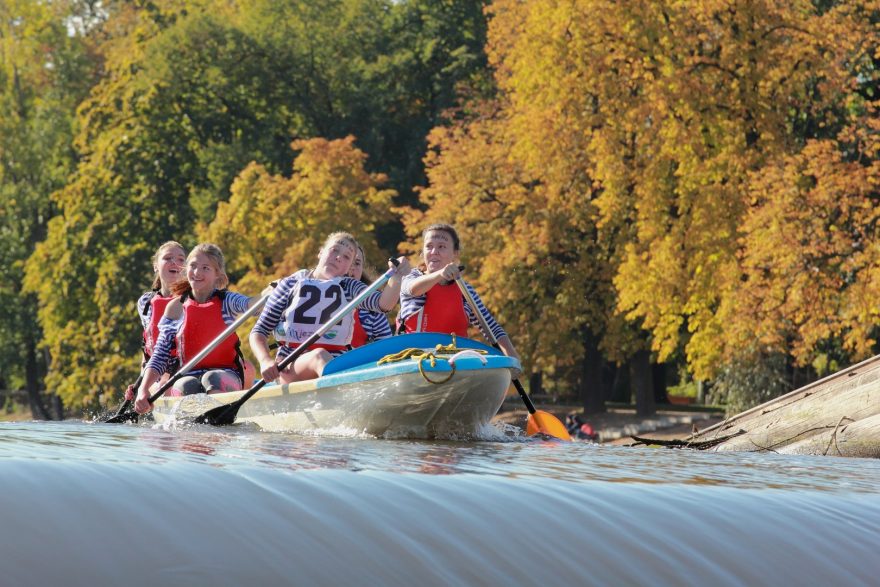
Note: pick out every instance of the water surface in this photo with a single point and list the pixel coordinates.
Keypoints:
(99, 504)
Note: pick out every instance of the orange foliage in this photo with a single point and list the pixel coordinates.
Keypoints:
(651, 159)
(272, 225)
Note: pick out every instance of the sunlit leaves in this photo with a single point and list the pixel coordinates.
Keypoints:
(273, 225)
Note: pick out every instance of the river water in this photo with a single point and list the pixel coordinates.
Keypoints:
(102, 504)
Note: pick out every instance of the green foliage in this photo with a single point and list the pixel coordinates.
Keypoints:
(44, 72)
(272, 225)
(750, 379)
(190, 94)
(696, 178)
(684, 389)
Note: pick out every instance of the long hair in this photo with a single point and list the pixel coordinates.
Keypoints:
(368, 272)
(213, 253)
(157, 281)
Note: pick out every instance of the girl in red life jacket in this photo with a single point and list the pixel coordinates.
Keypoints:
(202, 310)
(368, 326)
(168, 264)
(430, 300)
(306, 300)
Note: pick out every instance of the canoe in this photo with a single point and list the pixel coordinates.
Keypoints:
(421, 385)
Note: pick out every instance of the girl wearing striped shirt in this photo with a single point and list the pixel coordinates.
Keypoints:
(306, 300)
(168, 262)
(430, 301)
(201, 310)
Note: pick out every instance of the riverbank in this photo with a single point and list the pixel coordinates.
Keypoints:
(618, 424)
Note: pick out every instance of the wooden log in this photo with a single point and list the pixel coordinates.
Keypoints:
(849, 396)
(848, 439)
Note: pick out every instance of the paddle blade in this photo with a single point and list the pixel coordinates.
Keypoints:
(220, 416)
(542, 422)
(121, 417)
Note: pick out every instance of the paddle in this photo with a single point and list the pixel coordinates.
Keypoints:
(119, 418)
(225, 414)
(538, 420)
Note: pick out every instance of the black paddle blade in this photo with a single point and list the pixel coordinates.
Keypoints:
(219, 416)
(122, 416)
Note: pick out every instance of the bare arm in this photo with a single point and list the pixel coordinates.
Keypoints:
(260, 348)
(391, 293)
(420, 285)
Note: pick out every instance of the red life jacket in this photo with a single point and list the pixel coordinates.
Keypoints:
(157, 303)
(359, 336)
(443, 312)
(201, 325)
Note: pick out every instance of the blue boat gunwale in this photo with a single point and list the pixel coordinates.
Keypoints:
(373, 352)
(366, 373)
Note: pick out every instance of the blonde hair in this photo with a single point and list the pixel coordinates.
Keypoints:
(157, 281)
(340, 237)
(213, 253)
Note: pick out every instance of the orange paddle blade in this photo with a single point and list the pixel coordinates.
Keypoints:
(546, 423)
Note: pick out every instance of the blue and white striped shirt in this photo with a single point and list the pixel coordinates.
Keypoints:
(410, 304)
(234, 304)
(375, 324)
(142, 302)
(282, 297)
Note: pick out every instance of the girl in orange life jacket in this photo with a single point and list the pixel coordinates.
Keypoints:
(430, 301)
(168, 264)
(306, 300)
(368, 326)
(202, 310)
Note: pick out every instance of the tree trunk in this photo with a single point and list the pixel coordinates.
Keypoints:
(592, 388)
(536, 383)
(642, 386)
(32, 382)
(658, 374)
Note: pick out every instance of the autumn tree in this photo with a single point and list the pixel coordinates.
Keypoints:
(44, 72)
(648, 126)
(173, 112)
(514, 176)
(191, 93)
(274, 225)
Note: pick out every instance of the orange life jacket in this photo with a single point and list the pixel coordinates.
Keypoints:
(201, 325)
(157, 304)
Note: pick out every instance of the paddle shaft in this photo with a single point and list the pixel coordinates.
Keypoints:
(211, 346)
(226, 414)
(491, 336)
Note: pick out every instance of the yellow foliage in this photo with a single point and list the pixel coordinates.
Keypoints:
(636, 159)
(272, 225)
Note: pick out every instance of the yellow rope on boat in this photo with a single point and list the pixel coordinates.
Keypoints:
(432, 356)
(433, 362)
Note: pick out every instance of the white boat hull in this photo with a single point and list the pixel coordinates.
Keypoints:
(402, 399)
